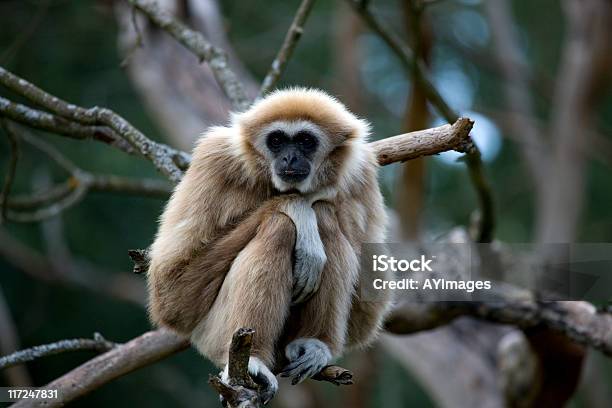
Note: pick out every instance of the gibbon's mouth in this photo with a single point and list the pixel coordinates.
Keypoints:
(293, 176)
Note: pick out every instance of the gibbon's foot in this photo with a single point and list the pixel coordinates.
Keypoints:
(307, 357)
(261, 375)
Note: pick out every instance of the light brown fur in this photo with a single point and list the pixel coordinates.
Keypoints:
(222, 258)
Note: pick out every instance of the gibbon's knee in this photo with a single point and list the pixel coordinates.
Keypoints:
(256, 293)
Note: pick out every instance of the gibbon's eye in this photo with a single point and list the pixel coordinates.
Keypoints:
(306, 140)
(276, 140)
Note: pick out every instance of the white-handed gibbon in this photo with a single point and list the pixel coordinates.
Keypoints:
(265, 231)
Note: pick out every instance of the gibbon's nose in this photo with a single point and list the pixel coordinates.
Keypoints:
(290, 160)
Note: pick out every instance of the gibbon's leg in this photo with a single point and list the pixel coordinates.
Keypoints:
(322, 320)
(366, 318)
(256, 293)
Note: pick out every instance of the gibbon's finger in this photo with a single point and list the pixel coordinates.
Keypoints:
(313, 358)
(306, 369)
(304, 349)
(294, 367)
(305, 373)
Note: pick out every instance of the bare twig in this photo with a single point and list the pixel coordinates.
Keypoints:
(416, 65)
(167, 160)
(74, 196)
(195, 42)
(284, 54)
(241, 390)
(12, 169)
(62, 196)
(335, 375)
(140, 259)
(98, 343)
(56, 124)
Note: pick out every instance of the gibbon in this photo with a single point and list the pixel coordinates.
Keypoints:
(265, 231)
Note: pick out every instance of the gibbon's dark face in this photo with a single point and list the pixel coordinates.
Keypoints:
(292, 154)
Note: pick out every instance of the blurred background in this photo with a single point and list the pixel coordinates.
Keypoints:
(533, 75)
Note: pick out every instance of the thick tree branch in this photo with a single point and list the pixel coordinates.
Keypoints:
(98, 343)
(423, 142)
(284, 54)
(123, 359)
(195, 42)
(137, 353)
(577, 320)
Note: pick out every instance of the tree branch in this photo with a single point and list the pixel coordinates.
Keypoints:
(423, 142)
(284, 54)
(51, 123)
(98, 343)
(167, 160)
(58, 198)
(577, 320)
(139, 352)
(122, 359)
(195, 42)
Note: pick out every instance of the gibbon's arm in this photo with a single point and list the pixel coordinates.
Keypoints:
(182, 300)
(362, 216)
